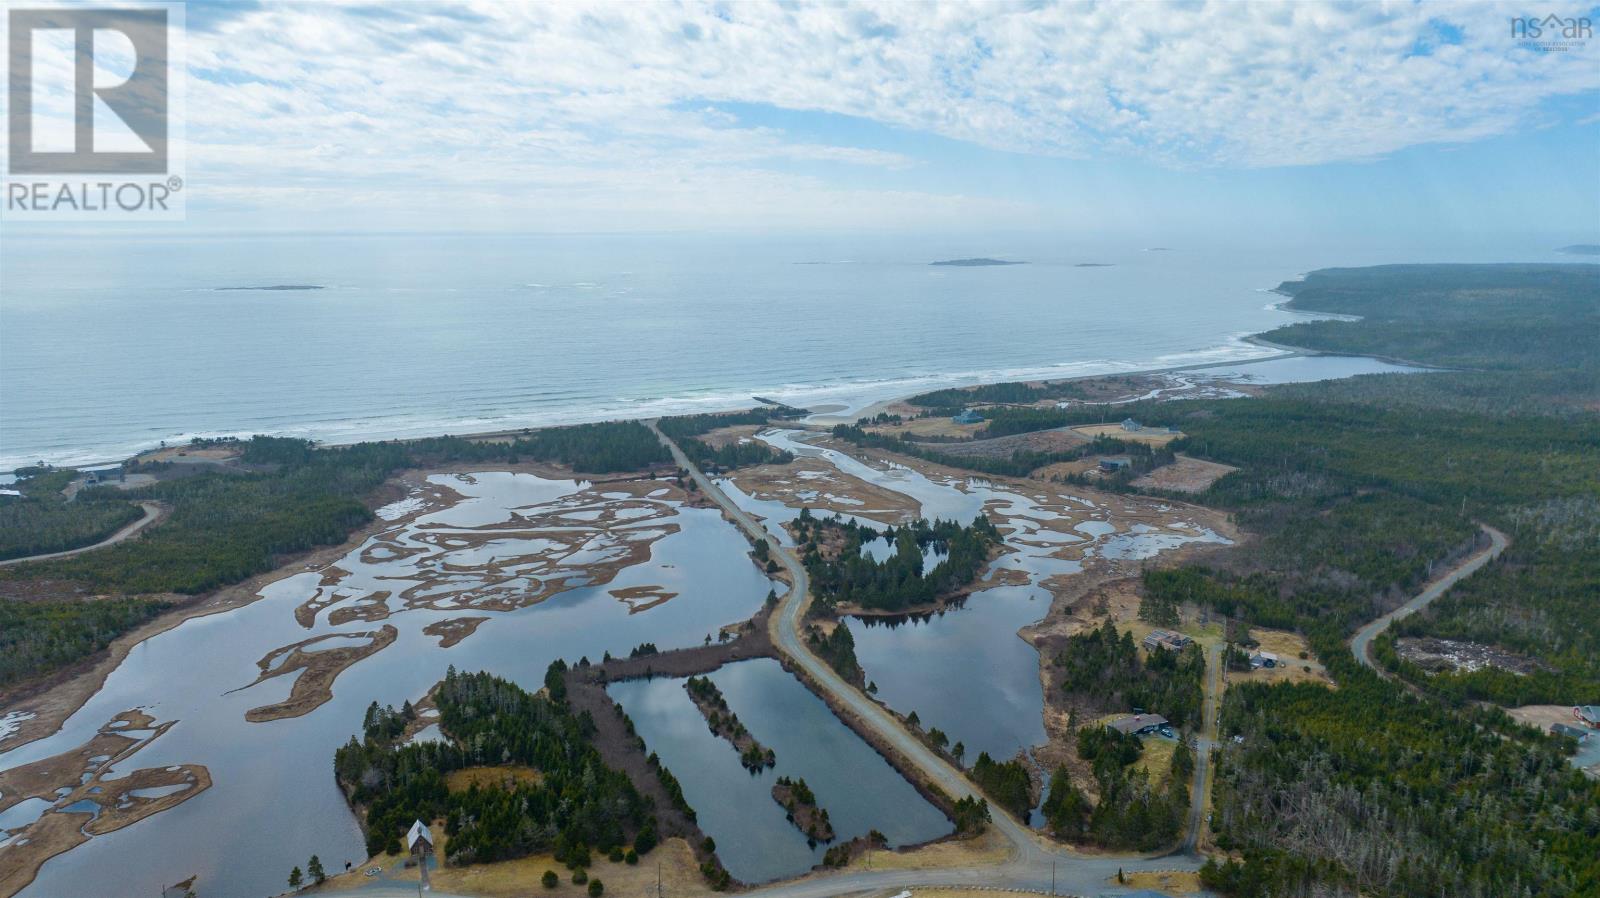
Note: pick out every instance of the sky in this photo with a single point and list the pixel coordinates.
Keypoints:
(1318, 120)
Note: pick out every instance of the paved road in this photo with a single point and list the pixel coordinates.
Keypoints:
(152, 511)
(1361, 645)
(1032, 862)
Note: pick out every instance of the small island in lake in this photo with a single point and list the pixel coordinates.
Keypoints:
(723, 722)
(975, 263)
(798, 799)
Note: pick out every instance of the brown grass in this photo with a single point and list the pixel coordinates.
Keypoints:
(1115, 431)
(483, 777)
(680, 875)
(937, 426)
(727, 436)
(1292, 669)
(1543, 716)
(1174, 883)
(980, 851)
(1186, 475)
(314, 686)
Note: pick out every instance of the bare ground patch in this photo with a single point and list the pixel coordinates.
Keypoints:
(84, 775)
(1055, 440)
(319, 669)
(1440, 655)
(1184, 475)
(454, 629)
(1150, 437)
(825, 489)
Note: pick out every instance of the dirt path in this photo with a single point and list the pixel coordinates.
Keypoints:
(153, 512)
(1361, 644)
(1204, 741)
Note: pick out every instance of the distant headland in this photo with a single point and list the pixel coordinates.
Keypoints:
(1581, 249)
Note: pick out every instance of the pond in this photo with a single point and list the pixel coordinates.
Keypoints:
(274, 802)
(1305, 368)
(966, 670)
(755, 840)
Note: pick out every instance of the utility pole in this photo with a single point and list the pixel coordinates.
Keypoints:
(1052, 878)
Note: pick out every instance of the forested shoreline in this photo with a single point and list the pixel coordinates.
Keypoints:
(685, 430)
(576, 803)
(285, 497)
(842, 573)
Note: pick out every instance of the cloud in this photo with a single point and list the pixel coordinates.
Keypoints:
(609, 104)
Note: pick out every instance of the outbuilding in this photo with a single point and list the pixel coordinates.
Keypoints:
(968, 416)
(1264, 659)
(1562, 729)
(1166, 639)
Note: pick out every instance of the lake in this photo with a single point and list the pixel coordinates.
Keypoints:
(755, 840)
(274, 802)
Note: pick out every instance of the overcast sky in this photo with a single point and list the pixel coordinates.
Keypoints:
(1236, 118)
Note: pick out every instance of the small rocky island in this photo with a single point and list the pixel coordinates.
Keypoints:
(801, 803)
(975, 263)
(724, 723)
(276, 287)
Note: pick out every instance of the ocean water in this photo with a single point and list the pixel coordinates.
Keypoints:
(112, 345)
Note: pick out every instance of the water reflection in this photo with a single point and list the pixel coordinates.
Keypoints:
(274, 801)
(756, 842)
(966, 670)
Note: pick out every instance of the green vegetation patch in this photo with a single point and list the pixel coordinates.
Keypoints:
(845, 574)
(1474, 316)
(1103, 667)
(577, 802)
(43, 635)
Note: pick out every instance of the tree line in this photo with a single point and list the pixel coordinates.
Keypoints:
(1358, 489)
(576, 801)
(42, 520)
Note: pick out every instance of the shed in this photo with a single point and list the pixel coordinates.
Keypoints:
(1113, 465)
(1589, 714)
(1264, 659)
(968, 416)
